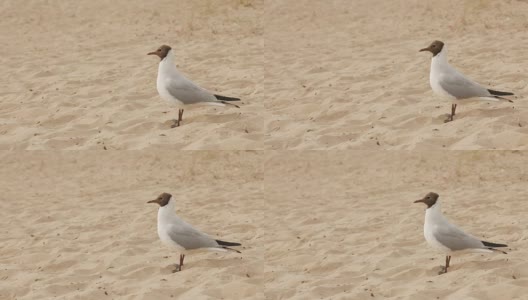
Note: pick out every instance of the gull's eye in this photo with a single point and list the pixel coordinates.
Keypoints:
(159, 50)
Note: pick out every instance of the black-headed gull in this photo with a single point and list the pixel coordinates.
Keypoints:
(447, 237)
(177, 233)
(447, 82)
(174, 87)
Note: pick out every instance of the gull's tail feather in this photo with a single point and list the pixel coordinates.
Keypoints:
(227, 248)
(497, 250)
(498, 94)
(224, 98)
(227, 103)
(216, 103)
(222, 103)
(501, 98)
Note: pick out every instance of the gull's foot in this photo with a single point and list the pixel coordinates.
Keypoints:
(449, 119)
(175, 124)
(177, 268)
(443, 270)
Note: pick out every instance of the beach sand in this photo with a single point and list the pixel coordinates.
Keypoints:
(77, 225)
(311, 74)
(345, 225)
(313, 225)
(77, 74)
(348, 74)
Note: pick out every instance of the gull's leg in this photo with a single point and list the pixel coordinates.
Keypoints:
(180, 119)
(179, 267)
(452, 116)
(444, 270)
(182, 256)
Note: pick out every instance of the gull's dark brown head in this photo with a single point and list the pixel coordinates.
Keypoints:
(429, 199)
(162, 199)
(434, 48)
(161, 52)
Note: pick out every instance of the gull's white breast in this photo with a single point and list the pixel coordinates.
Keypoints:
(439, 68)
(166, 72)
(432, 221)
(165, 220)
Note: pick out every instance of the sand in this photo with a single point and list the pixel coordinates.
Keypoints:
(312, 74)
(355, 79)
(82, 228)
(347, 227)
(77, 75)
(314, 225)
(341, 76)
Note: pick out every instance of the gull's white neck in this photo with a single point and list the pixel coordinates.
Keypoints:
(166, 212)
(434, 217)
(167, 65)
(169, 58)
(433, 211)
(440, 58)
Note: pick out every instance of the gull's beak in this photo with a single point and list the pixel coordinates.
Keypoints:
(418, 201)
(151, 53)
(153, 201)
(424, 49)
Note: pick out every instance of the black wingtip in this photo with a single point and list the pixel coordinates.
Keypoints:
(499, 93)
(224, 98)
(493, 245)
(224, 243)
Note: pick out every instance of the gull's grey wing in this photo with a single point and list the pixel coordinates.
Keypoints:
(461, 87)
(455, 239)
(187, 92)
(190, 238)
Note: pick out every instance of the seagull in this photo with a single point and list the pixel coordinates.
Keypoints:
(177, 89)
(447, 237)
(176, 233)
(449, 83)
